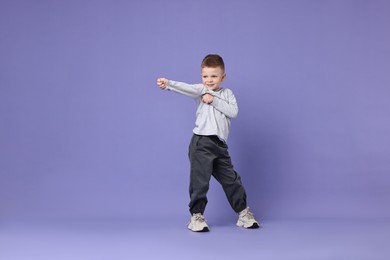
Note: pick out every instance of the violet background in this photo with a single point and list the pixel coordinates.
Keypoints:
(85, 132)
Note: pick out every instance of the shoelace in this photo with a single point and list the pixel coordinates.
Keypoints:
(199, 218)
(248, 214)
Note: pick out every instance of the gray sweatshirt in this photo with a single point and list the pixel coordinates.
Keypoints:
(214, 118)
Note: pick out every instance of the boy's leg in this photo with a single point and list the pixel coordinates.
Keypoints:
(201, 157)
(230, 180)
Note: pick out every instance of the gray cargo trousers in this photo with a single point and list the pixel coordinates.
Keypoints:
(209, 156)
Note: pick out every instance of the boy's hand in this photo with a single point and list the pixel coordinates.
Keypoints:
(207, 98)
(162, 83)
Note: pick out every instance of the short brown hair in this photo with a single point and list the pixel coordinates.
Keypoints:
(213, 61)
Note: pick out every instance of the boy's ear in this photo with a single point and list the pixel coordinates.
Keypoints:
(223, 76)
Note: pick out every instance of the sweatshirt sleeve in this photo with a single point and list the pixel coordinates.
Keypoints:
(190, 90)
(226, 105)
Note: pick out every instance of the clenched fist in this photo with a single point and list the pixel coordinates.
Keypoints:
(207, 98)
(162, 83)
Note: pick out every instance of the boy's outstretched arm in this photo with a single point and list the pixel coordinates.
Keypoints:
(193, 91)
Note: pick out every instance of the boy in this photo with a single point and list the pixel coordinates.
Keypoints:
(208, 151)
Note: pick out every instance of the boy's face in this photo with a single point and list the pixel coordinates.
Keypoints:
(212, 77)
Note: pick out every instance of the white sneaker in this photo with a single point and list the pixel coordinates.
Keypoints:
(198, 223)
(246, 219)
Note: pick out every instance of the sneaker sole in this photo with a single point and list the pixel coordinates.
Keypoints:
(205, 229)
(254, 226)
